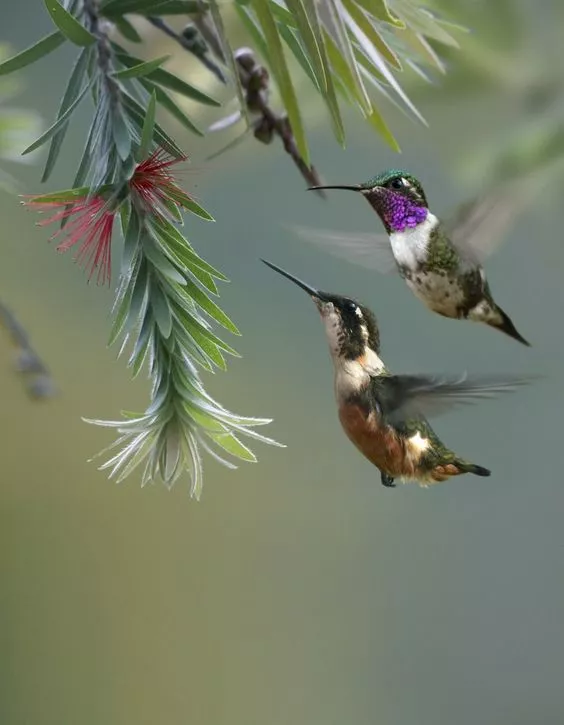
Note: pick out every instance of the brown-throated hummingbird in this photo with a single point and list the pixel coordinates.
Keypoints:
(441, 266)
(384, 415)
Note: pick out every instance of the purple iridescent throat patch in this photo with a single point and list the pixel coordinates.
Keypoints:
(397, 211)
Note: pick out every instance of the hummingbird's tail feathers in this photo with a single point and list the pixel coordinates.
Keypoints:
(473, 468)
(504, 324)
(456, 467)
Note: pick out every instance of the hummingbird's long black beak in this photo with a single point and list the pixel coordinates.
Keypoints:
(356, 187)
(310, 290)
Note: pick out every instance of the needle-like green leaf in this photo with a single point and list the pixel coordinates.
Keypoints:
(131, 241)
(127, 30)
(215, 312)
(305, 21)
(148, 128)
(420, 21)
(379, 9)
(87, 158)
(138, 304)
(342, 71)
(69, 26)
(250, 21)
(68, 195)
(168, 104)
(170, 236)
(142, 348)
(291, 38)
(229, 58)
(73, 88)
(183, 200)
(160, 307)
(121, 7)
(137, 113)
(284, 16)
(146, 335)
(369, 29)
(421, 45)
(52, 130)
(168, 80)
(376, 120)
(117, 8)
(230, 443)
(121, 133)
(331, 97)
(164, 266)
(206, 334)
(141, 69)
(35, 52)
(350, 75)
(122, 305)
(376, 59)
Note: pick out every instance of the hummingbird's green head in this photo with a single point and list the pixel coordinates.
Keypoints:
(397, 180)
(351, 328)
(396, 196)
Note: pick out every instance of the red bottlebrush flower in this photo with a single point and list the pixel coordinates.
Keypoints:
(155, 185)
(90, 224)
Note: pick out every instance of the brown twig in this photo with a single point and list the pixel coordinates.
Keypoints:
(254, 80)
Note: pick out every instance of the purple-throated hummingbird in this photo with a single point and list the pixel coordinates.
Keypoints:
(441, 266)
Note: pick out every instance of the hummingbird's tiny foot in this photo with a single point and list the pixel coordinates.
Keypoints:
(387, 481)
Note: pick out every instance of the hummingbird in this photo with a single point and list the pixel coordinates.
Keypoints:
(384, 415)
(441, 266)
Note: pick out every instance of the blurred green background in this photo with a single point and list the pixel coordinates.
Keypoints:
(298, 590)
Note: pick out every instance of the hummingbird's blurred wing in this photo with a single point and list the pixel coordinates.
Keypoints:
(371, 251)
(402, 397)
(480, 225)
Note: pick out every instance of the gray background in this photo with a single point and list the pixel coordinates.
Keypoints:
(299, 591)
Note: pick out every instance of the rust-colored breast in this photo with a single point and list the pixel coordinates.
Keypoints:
(376, 441)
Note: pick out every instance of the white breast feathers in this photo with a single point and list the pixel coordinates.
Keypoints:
(410, 246)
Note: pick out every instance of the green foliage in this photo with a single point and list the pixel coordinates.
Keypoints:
(142, 68)
(350, 44)
(344, 50)
(69, 26)
(32, 54)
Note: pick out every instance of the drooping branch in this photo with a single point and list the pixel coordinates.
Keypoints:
(255, 80)
(39, 382)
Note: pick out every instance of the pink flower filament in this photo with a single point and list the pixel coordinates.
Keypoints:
(91, 223)
(154, 182)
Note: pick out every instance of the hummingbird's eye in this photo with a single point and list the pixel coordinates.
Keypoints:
(351, 306)
(398, 183)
